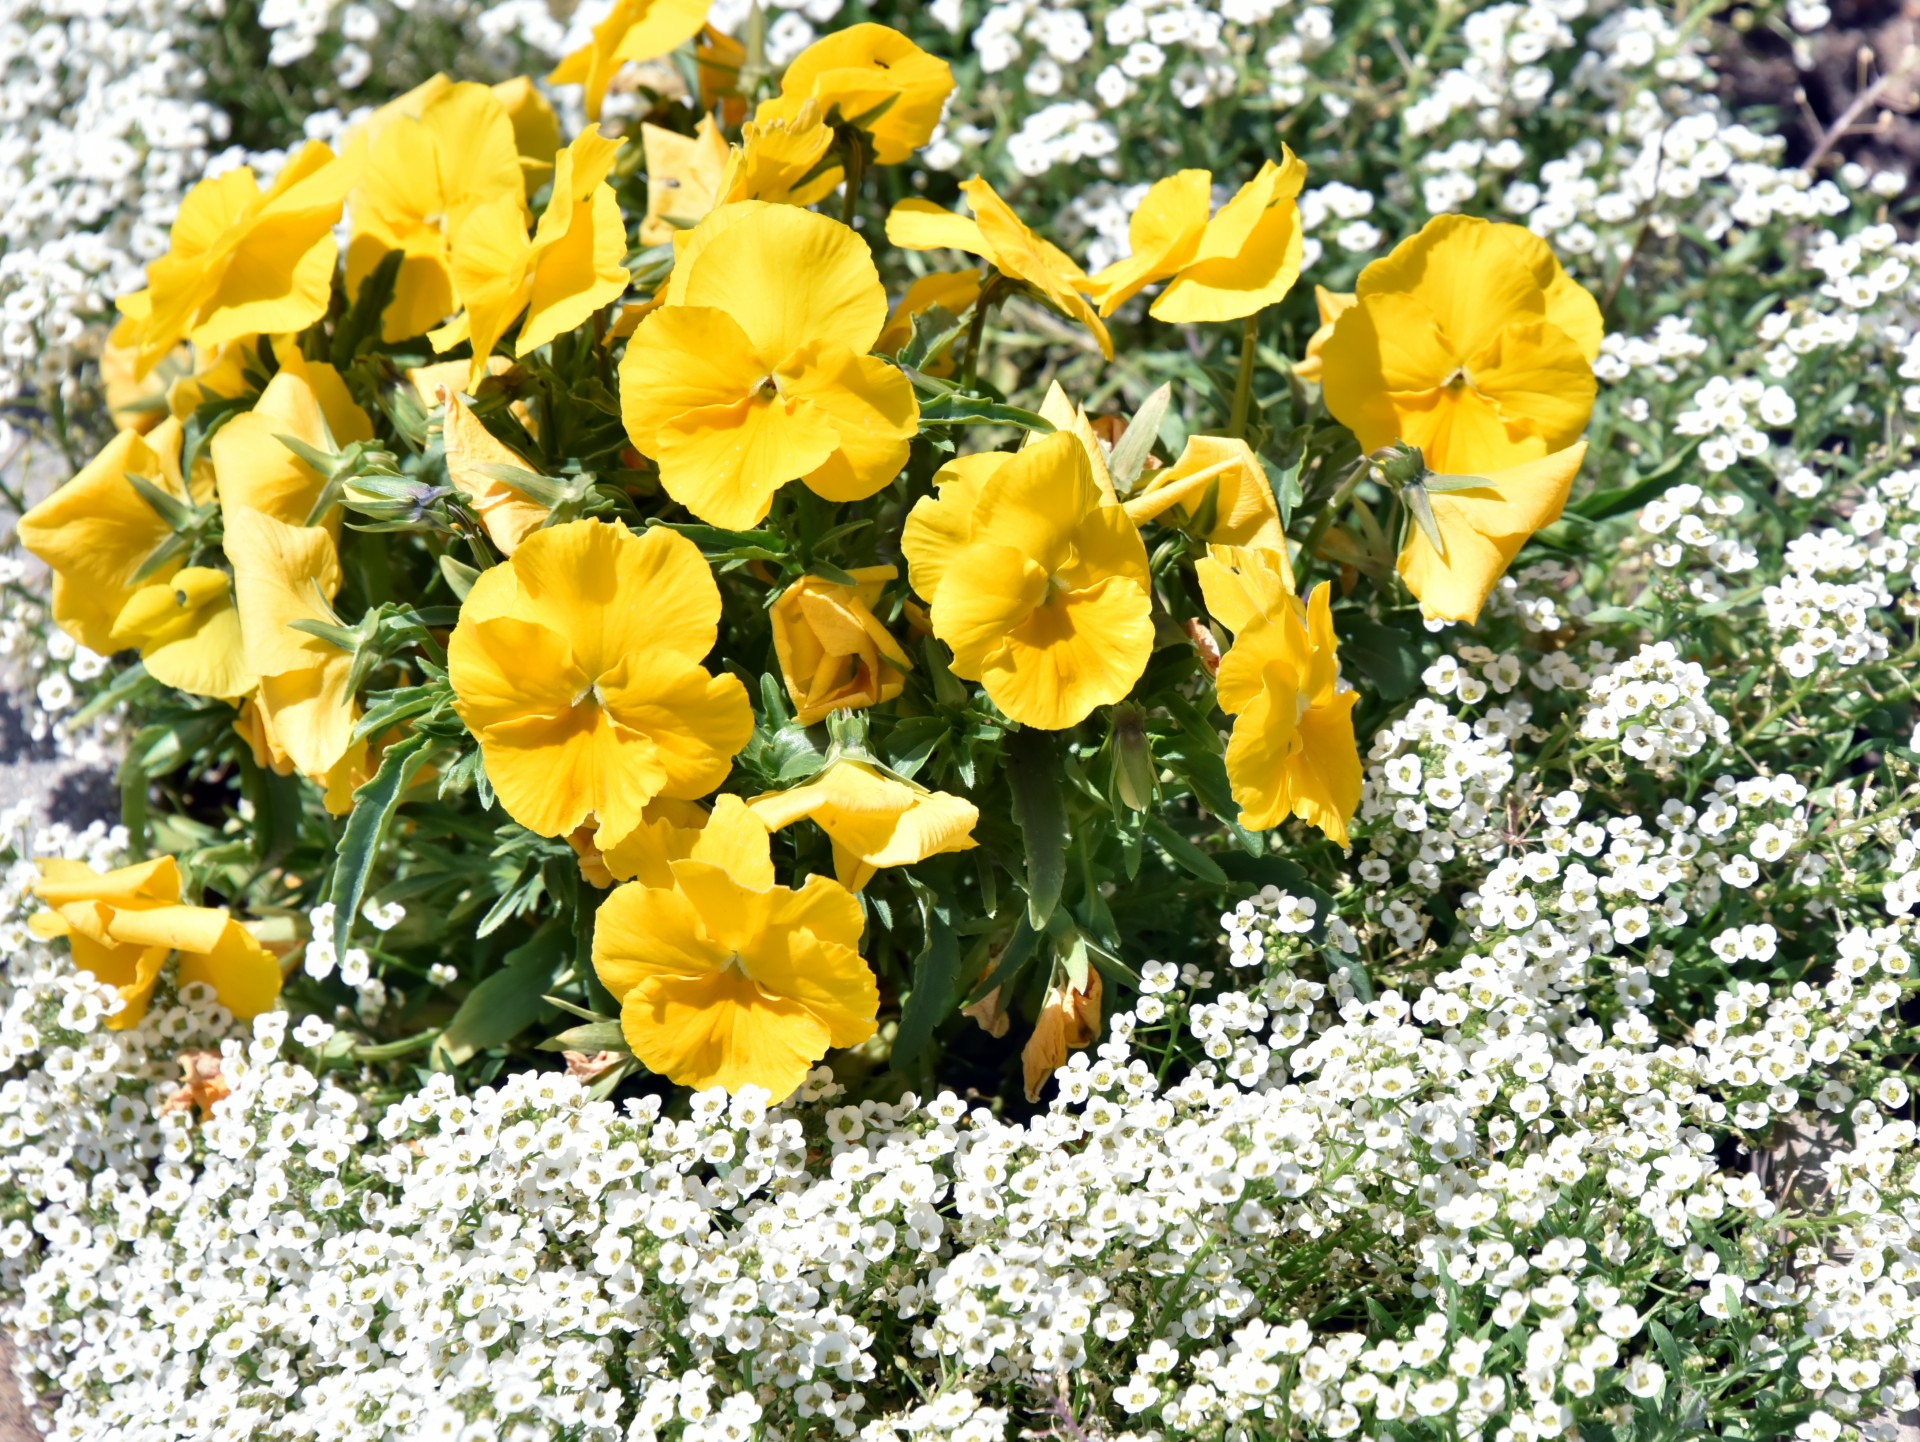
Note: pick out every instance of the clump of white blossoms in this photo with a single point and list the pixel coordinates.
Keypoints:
(1656, 705)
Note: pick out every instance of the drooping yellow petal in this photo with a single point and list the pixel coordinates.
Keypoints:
(917, 224)
(1332, 305)
(508, 515)
(952, 291)
(257, 472)
(536, 129)
(872, 78)
(1249, 256)
(1164, 231)
(634, 30)
(874, 820)
(1226, 468)
(684, 178)
(1240, 584)
(1021, 255)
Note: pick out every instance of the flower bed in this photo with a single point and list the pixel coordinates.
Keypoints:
(755, 805)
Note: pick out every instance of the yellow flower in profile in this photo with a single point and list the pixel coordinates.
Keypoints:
(1240, 584)
(1002, 239)
(684, 175)
(755, 372)
(536, 129)
(786, 159)
(573, 265)
(633, 30)
(576, 665)
(241, 261)
(422, 177)
(872, 79)
(1468, 341)
(507, 515)
(1482, 528)
(873, 819)
(255, 468)
(1332, 305)
(1240, 261)
(1292, 751)
(726, 979)
(834, 653)
(1227, 469)
(281, 574)
(97, 534)
(1036, 580)
(122, 925)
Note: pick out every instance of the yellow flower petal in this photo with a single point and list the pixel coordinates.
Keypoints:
(188, 633)
(509, 517)
(871, 407)
(1226, 467)
(634, 30)
(1249, 256)
(870, 77)
(256, 472)
(1241, 584)
(684, 178)
(1164, 232)
(834, 654)
(874, 820)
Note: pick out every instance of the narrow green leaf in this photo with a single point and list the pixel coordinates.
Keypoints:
(936, 977)
(1130, 454)
(509, 1001)
(958, 410)
(1184, 854)
(1033, 775)
(1618, 500)
(373, 806)
(594, 1036)
(1014, 956)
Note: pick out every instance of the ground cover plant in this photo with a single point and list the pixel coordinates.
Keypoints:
(1154, 720)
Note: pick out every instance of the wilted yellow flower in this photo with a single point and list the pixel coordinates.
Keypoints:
(834, 653)
(423, 176)
(952, 290)
(1468, 341)
(1002, 239)
(725, 979)
(873, 819)
(1069, 1020)
(1227, 469)
(281, 574)
(576, 665)
(241, 261)
(755, 372)
(1036, 580)
(872, 79)
(1243, 260)
(1482, 528)
(507, 515)
(256, 470)
(1292, 751)
(122, 925)
(571, 267)
(784, 159)
(633, 30)
(684, 174)
(97, 534)
(1332, 305)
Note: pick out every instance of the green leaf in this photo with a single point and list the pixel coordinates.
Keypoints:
(936, 976)
(908, 745)
(1389, 659)
(1618, 500)
(509, 1001)
(1616, 616)
(458, 575)
(1130, 453)
(1184, 854)
(178, 514)
(958, 410)
(934, 329)
(1033, 776)
(594, 1036)
(373, 806)
(1014, 956)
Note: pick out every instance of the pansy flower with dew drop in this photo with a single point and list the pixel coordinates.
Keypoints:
(576, 665)
(1292, 751)
(1224, 267)
(873, 819)
(123, 924)
(871, 79)
(725, 978)
(1036, 580)
(1003, 240)
(120, 573)
(834, 654)
(755, 372)
(242, 261)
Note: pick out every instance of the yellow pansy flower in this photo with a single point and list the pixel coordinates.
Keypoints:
(1036, 581)
(97, 534)
(633, 30)
(122, 925)
(1482, 528)
(1292, 751)
(241, 261)
(873, 819)
(1240, 584)
(507, 515)
(1468, 341)
(667, 832)
(1332, 304)
(257, 471)
(1002, 239)
(755, 372)
(783, 159)
(576, 665)
(834, 653)
(573, 265)
(1244, 509)
(684, 174)
(1240, 261)
(726, 979)
(281, 574)
(422, 177)
(871, 78)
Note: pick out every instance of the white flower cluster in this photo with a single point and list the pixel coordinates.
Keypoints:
(1832, 602)
(1655, 705)
(1684, 519)
(1550, 1174)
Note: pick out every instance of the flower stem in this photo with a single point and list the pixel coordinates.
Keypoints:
(1325, 519)
(1243, 383)
(856, 172)
(977, 329)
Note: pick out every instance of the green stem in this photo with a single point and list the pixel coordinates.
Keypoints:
(856, 171)
(977, 329)
(1243, 383)
(1325, 519)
